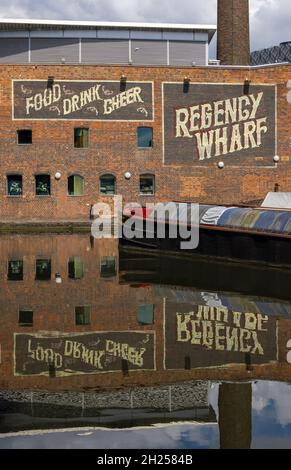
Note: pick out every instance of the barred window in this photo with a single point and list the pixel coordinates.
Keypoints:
(15, 270)
(42, 185)
(14, 185)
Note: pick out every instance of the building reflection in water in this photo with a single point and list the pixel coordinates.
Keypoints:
(91, 332)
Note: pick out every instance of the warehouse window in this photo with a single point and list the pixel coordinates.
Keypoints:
(43, 185)
(15, 270)
(43, 270)
(24, 137)
(75, 185)
(82, 315)
(108, 267)
(147, 185)
(81, 137)
(76, 268)
(144, 137)
(145, 315)
(14, 185)
(107, 185)
(25, 317)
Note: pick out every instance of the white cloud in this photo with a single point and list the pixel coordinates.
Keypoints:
(279, 393)
(264, 393)
(271, 22)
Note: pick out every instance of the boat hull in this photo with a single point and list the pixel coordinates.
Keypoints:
(222, 243)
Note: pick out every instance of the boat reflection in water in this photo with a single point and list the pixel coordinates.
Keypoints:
(99, 336)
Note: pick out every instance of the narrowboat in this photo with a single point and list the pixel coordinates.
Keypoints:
(245, 234)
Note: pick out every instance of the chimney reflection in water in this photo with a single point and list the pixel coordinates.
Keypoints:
(235, 415)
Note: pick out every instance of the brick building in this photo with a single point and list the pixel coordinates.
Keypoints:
(89, 110)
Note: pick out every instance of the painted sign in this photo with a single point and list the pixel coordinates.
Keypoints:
(88, 353)
(207, 122)
(205, 336)
(89, 100)
(284, 340)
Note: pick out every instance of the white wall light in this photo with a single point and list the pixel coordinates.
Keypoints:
(58, 278)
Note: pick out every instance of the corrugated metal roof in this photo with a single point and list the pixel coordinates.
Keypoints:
(9, 24)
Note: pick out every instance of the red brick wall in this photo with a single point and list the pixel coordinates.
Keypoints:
(113, 147)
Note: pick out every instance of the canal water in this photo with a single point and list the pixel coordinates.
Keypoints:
(105, 347)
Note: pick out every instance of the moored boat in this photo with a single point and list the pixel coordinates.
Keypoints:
(246, 234)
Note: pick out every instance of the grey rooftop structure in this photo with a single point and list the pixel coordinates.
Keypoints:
(272, 55)
(93, 42)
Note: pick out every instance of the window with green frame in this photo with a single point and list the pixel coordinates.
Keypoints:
(81, 137)
(75, 185)
(83, 315)
(108, 267)
(108, 185)
(76, 267)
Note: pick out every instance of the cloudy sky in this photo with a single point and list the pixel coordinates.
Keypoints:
(270, 19)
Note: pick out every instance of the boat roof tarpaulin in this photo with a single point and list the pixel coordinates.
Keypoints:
(278, 201)
(257, 220)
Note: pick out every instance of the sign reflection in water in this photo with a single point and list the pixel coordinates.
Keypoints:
(214, 336)
(89, 353)
(197, 316)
